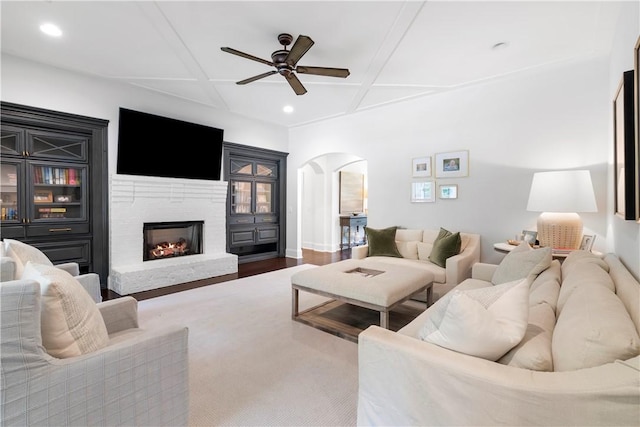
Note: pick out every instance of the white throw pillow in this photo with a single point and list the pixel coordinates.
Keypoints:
(71, 323)
(22, 253)
(485, 322)
(523, 261)
(424, 250)
(408, 250)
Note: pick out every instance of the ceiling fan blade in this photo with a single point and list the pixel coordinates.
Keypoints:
(246, 55)
(299, 48)
(295, 84)
(254, 78)
(322, 71)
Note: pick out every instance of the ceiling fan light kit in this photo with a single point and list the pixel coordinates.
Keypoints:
(285, 63)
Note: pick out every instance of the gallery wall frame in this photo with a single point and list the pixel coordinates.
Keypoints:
(422, 192)
(448, 191)
(636, 62)
(625, 163)
(421, 167)
(454, 164)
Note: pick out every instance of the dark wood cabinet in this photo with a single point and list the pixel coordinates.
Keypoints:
(53, 184)
(255, 201)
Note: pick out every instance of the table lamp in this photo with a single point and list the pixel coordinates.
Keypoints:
(560, 195)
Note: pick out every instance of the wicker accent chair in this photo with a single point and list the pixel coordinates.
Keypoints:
(140, 377)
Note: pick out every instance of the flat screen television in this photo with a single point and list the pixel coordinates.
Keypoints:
(159, 146)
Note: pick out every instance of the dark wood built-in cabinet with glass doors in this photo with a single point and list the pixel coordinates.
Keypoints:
(255, 202)
(53, 184)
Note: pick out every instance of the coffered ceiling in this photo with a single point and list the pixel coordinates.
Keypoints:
(395, 50)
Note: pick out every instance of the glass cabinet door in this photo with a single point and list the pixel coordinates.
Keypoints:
(267, 169)
(58, 192)
(241, 197)
(264, 197)
(9, 194)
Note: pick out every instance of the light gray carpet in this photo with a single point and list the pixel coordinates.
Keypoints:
(250, 364)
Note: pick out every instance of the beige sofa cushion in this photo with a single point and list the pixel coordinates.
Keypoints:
(523, 261)
(588, 273)
(578, 258)
(424, 250)
(408, 249)
(534, 351)
(22, 253)
(409, 235)
(485, 322)
(593, 329)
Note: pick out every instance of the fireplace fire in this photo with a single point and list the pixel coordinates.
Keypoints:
(172, 239)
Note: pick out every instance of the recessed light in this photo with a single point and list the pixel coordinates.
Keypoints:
(51, 29)
(287, 109)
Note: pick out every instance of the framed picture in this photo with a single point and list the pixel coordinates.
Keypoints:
(636, 61)
(452, 165)
(624, 149)
(421, 166)
(422, 192)
(587, 242)
(351, 193)
(448, 191)
(529, 236)
(42, 197)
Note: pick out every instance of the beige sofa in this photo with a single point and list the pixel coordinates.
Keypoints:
(577, 364)
(415, 246)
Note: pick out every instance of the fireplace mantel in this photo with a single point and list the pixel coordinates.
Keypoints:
(139, 199)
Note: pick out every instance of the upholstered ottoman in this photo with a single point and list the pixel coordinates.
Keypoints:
(373, 285)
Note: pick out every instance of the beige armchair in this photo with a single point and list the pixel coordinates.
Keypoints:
(140, 378)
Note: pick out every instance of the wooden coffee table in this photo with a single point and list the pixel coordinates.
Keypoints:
(373, 285)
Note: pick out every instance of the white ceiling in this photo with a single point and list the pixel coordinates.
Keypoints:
(395, 50)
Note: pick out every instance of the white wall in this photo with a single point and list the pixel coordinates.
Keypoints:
(320, 218)
(625, 234)
(552, 118)
(29, 83)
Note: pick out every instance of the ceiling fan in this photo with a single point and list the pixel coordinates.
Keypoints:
(286, 62)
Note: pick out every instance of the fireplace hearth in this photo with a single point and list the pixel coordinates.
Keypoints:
(171, 239)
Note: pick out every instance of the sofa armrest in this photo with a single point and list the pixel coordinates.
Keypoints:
(359, 252)
(146, 374)
(483, 271)
(7, 269)
(119, 314)
(70, 267)
(91, 282)
(406, 381)
(458, 267)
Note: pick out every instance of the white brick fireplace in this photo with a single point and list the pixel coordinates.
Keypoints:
(135, 200)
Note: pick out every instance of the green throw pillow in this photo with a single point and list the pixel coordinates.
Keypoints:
(382, 242)
(446, 245)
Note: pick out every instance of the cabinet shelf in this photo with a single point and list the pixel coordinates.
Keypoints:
(51, 163)
(255, 215)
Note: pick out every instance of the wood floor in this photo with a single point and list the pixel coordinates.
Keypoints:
(244, 270)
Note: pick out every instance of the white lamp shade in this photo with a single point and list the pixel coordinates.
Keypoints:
(562, 191)
(560, 195)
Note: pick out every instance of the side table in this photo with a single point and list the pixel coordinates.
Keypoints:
(347, 224)
(505, 248)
